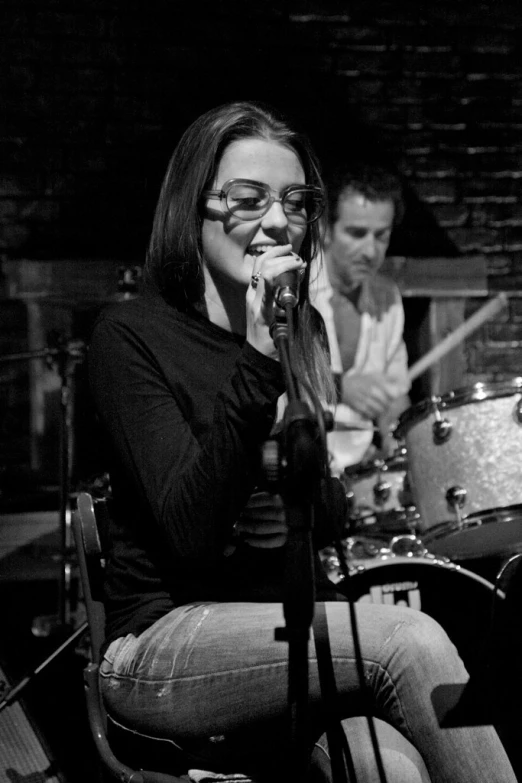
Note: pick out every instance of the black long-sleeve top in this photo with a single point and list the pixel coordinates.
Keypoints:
(186, 406)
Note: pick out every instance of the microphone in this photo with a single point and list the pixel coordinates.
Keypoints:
(287, 291)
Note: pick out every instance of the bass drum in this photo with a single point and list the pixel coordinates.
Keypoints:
(463, 602)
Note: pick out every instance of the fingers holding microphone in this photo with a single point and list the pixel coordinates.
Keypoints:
(262, 523)
(277, 273)
(277, 267)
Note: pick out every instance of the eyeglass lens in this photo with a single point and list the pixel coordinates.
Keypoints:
(248, 202)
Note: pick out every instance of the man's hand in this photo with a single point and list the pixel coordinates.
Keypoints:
(262, 523)
(370, 394)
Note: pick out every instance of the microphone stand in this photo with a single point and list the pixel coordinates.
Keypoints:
(67, 354)
(13, 694)
(299, 490)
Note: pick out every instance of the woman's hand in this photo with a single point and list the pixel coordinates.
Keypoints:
(260, 295)
(262, 523)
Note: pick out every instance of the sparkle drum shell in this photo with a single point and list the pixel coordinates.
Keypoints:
(380, 500)
(377, 485)
(465, 455)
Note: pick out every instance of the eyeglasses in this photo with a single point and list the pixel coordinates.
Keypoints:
(247, 199)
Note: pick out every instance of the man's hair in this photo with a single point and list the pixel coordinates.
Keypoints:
(373, 181)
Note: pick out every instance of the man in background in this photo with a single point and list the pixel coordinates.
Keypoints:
(363, 313)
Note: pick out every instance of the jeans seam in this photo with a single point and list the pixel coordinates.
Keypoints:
(192, 677)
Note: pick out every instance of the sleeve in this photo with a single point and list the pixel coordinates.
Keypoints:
(397, 357)
(193, 488)
(320, 296)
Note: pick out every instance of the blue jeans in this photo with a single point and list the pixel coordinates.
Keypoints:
(211, 677)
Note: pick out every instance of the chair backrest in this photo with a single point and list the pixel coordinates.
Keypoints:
(90, 522)
(90, 529)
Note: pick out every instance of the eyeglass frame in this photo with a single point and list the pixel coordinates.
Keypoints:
(223, 193)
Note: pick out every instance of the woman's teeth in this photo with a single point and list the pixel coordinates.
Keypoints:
(259, 249)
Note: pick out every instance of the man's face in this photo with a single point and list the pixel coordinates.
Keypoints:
(358, 240)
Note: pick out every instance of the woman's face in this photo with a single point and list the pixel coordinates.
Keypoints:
(231, 245)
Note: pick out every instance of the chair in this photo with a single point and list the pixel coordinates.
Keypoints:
(113, 742)
(90, 523)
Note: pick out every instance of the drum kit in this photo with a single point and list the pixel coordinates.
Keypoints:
(425, 525)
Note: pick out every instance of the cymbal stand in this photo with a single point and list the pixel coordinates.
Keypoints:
(71, 353)
(9, 696)
(67, 355)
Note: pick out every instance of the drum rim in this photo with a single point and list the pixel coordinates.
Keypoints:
(475, 519)
(446, 530)
(476, 392)
(393, 464)
(506, 513)
(433, 561)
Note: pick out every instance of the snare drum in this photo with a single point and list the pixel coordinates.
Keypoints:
(464, 451)
(461, 601)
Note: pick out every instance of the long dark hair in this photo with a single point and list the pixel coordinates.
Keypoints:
(174, 264)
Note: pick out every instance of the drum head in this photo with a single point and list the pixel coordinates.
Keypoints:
(461, 601)
(492, 533)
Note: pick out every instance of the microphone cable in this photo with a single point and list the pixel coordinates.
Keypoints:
(356, 638)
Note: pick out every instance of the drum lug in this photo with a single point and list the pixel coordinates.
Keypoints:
(456, 497)
(518, 411)
(350, 503)
(412, 518)
(441, 430)
(401, 452)
(382, 492)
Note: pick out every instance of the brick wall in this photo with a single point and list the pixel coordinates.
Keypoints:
(96, 93)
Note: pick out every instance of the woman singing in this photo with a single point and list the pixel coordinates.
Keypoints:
(188, 384)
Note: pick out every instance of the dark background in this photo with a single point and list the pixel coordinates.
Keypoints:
(97, 93)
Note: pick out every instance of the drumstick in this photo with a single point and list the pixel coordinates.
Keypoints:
(459, 334)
